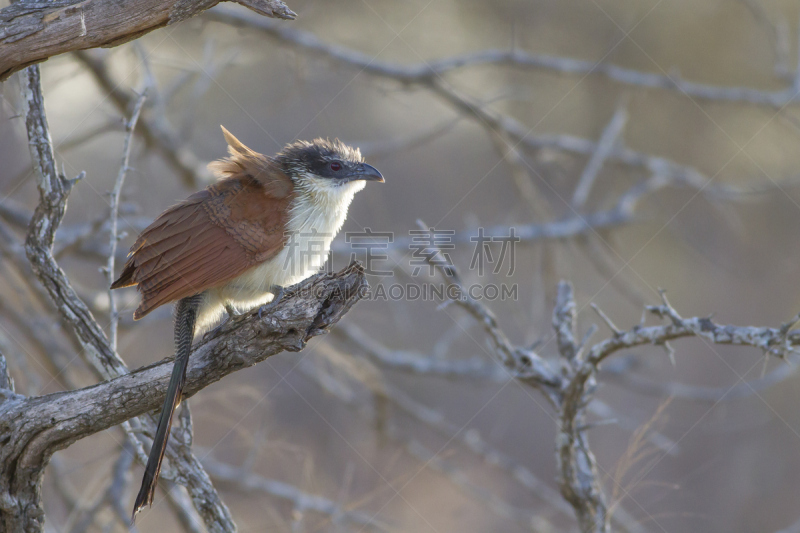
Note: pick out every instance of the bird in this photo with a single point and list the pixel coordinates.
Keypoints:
(266, 223)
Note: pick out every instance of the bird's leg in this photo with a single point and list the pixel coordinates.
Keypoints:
(185, 317)
(277, 293)
(232, 314)
(231, 311)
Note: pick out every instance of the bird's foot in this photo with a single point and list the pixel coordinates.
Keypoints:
(277, 294)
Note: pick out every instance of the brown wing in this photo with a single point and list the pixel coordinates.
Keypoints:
(208, 239)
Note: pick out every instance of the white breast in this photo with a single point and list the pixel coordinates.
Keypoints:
(316, 216)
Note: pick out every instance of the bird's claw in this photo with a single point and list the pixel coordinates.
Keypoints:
(277, 294)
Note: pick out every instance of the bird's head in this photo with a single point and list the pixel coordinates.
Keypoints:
(326, 166)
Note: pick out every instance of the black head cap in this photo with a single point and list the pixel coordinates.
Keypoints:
(326, 159)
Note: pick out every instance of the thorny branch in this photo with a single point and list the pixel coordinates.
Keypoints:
(572, 391)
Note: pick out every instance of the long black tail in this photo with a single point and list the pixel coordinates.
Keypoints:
(185, 316)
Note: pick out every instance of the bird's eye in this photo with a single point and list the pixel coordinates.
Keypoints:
(336, 166)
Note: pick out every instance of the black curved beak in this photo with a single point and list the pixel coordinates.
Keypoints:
(367, 173)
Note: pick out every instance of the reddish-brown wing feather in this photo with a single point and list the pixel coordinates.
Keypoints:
(208, 239)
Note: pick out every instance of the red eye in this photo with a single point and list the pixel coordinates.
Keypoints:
(336, 166)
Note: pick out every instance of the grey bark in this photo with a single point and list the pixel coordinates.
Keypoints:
(32, 31)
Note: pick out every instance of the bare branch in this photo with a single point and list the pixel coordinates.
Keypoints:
(609, 136)
(114, 216)
(564, 322)
(302, 501)
(770, 340)
(32, 31)
(527, 363)
(181, 504)
(579, 477)
(430, 75)
(425, 72)
(407, 361)
(53, 192)
(6, 383)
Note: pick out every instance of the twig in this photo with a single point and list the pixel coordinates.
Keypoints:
(614, 329)
(778, 33)
(302, 501)
(579, 475)
(564, 314)
(6, 383)
(378, 149)
(407, 361)
(609, 136)
(130, 125)
(181, 505)
(89, 135)
(53, 192)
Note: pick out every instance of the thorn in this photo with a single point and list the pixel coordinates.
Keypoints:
(670, 352)
(444, 305)
(663, 294)
(592, 425)
(787, 326)
(536, 344)
(644, 318)
(607, 320)
(71, 182)
(592, 330)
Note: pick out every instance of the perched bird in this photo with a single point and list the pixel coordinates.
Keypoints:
(266, 224)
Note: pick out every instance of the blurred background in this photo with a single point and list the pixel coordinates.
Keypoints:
(642, 145)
